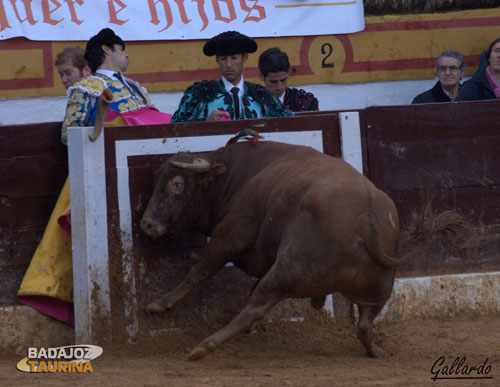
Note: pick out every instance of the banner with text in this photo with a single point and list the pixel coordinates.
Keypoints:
(176, 19)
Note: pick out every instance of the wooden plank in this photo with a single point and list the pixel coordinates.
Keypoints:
(429, 146)
(433, 121)
(33, 168)
(16, 251)
(31, 139)
(11, 277)
(444, 259)
(481, 205)
(17, 248)
(32, 175)
(327, 121)
(447, 154)
(435, 163)
(31, 213)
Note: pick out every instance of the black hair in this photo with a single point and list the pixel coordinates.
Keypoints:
(490, 47)
(94, 53)
(273, 60)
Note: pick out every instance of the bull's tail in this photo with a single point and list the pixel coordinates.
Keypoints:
(423, 229)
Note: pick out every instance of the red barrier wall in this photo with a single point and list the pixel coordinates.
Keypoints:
(447, 152)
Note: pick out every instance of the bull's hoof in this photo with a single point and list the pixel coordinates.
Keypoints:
(155, 307)
(201, 351)
(318, 302)
(376, 352)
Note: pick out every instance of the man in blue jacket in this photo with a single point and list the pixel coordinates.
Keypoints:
(231, 97)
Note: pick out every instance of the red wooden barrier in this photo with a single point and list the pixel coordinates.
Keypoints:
(447, 152)
(33, 168)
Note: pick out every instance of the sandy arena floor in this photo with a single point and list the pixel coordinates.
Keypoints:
(316, 352)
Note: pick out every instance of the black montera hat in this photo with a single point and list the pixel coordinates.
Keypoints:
(105, 36)
(229, 43)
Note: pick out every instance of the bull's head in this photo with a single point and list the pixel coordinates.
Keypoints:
(176, 201)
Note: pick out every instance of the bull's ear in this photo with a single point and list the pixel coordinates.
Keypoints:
(217, 169)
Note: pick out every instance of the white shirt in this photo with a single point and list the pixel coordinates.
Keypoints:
(111, 74)
(452, 99)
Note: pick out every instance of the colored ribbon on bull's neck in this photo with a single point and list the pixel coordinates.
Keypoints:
(248, 134)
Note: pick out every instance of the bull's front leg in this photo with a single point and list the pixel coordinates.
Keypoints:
(210, 263)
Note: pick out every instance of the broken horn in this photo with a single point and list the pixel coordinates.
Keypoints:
(102, 109)
(197, 165)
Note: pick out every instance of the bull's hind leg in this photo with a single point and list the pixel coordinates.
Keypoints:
(367, 314)
(259, 304)
(318, 302)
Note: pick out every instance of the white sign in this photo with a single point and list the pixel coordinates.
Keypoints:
(177, 19)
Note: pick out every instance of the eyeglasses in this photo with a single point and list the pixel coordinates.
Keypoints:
(444, 68)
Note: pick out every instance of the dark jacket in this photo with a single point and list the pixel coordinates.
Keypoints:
(476, 88)
(298, 100)
(436, 94)
(482, 63)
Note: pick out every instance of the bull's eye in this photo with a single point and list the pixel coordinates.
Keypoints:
(177, 184)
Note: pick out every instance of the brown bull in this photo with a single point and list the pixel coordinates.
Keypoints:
(304, 223)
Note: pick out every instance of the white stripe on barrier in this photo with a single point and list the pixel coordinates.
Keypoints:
(350, 137)
(87, 174)
(89, 216)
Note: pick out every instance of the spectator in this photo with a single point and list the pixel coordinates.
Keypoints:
(450, 68)
(72, 65)
(231, 97)
(486, 83)
(274, 68)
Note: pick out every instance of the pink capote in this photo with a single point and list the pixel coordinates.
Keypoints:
(145, 116)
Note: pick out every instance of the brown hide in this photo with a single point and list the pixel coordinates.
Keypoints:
(301, 221)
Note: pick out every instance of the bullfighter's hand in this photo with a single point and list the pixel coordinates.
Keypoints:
(217, 115)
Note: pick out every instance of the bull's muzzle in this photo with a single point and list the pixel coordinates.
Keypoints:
(151, 227)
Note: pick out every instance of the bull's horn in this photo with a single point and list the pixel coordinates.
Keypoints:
(197, 165)
(102, 109)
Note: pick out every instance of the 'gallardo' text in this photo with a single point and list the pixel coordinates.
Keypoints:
(459, 368)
